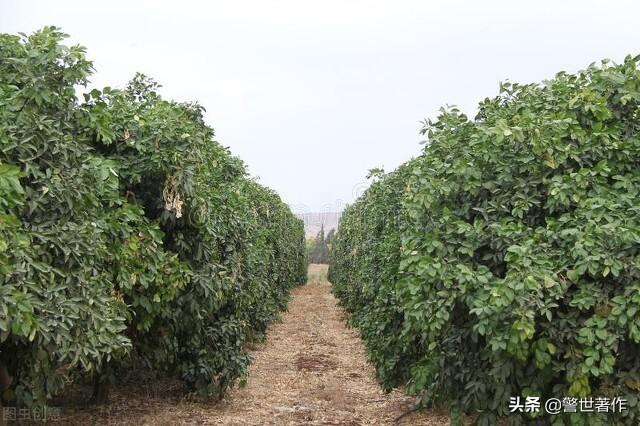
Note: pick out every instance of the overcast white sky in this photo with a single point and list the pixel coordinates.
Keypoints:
(311, 94)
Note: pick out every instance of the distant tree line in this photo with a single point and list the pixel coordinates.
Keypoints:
(318, 247)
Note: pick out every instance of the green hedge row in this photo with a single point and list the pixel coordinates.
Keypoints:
(128, 236)
(505, 260)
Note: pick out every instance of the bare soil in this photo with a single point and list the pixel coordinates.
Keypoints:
(312, 370)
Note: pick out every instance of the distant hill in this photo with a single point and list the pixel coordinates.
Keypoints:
(313, 221)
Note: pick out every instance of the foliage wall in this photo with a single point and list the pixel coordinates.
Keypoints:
(505, 260)
(128, 236)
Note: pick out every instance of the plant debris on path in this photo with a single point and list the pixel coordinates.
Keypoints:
(312, 370)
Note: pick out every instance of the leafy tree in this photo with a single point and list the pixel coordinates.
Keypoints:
(518, 252)
(364, 267)
(330, 235)
(128, 237)
(318, 248)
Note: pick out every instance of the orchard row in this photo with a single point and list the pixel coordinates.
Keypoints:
(130, 240)
(505, 260)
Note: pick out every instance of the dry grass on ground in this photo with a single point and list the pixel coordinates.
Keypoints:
(312, 370)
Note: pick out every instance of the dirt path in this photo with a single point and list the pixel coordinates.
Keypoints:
(312, 370)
